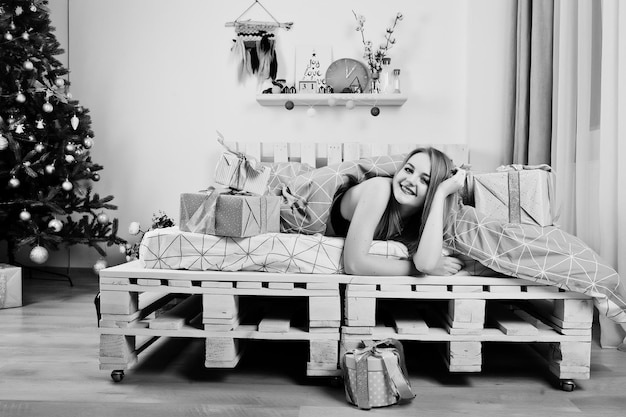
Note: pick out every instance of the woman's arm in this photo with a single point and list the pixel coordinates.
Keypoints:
(428, 258)
(369, 200)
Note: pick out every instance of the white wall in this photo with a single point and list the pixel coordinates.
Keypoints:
(159, 79)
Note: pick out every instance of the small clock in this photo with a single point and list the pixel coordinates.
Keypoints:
(347, 75)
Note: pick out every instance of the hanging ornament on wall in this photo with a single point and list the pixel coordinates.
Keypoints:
(39, 254)
(254, 45)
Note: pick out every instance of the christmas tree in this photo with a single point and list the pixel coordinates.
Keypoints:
(46, 171)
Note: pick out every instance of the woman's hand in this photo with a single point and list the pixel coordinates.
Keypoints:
(454, 183)
(446, 265)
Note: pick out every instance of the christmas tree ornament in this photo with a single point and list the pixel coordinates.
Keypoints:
(67, 185)
(4, 143)
(25, 215)
(70, 147)
(103, 218)
(50, 169)
(95, 177)
(18, 10)
(375, 111)
(122, 248)
(39, 255)
(99, 265)
(289, 105)
(14, 183)
(12, 25)
(33, 8)
(56, 225)
(350, 104)
(20, 97)
(39, 148)
(8, 36)
(28, 65)
(311, 112)
(88, 142)
(69, 159)
(25, 36)
(134, 228)
(59, 82)
(47, 107)
(19, 128)
(40, 124)
(74, 122)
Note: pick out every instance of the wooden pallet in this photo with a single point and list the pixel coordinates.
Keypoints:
(465, 312)
(223, 308)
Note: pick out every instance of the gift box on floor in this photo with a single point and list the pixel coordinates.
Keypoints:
(376, 376)
(221, 213)
(240, 172)
(517, 194)
(10, 286)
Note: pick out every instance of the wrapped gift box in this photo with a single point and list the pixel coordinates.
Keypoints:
(220, 213)
(375, 376)
(10, 286)
(519, 195)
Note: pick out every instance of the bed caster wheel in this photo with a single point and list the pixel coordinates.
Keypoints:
(117, 376)
(567, 385)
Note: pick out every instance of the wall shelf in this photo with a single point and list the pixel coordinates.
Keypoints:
(340, 99)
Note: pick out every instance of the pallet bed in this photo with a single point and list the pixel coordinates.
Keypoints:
(334, 312)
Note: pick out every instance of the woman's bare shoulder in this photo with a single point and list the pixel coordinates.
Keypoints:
(379, 187)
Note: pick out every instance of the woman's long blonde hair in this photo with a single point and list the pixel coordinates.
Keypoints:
(409, 231)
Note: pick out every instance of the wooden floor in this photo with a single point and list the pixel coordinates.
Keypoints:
(49, 368)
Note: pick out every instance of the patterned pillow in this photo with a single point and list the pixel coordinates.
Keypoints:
(307, 197)
(282, 172)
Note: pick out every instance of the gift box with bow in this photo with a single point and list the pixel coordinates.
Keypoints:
(240, 172)
(375, 375)
(10, 286)
(223, 213)
(516, 194)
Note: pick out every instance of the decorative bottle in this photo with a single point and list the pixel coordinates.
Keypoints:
(396, 81)
(384, 80)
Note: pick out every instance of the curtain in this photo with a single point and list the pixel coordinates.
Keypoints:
(589, 130)
(533, 92)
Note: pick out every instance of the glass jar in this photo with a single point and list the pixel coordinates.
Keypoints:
(396, 81)
(384, 80)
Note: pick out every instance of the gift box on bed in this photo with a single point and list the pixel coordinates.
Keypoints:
(222, 213)
(240, 172)
(376, 376)
(516, 194)
(10, 286)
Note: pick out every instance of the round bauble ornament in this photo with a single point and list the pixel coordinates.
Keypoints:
(39, 148)
(25, 215)
(39, 254)
(350, 104)
(375, 111)
(47, 107)
(49, 169)
(25, 36)
(69, 159)
(70, 147)
(311, 112)
(56, 225)
(67, 185)
(103, 218)
(122, 248)
(14, 182)
(95, 177)
(20, 97)
(88, 142)
(99, 265)
(8, 36)
(59, 82)
(289, 105)
(33, 8)
(332, 101)
(28, 65)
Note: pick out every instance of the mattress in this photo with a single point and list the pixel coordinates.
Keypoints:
(171, 248)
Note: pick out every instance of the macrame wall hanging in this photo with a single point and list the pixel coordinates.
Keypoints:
(254, 46)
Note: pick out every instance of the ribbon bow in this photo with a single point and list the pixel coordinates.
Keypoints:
(392, 356)
(246, 166)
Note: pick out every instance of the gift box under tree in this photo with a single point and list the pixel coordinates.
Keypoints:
(221, 213)
(516, 194)
(10, 286)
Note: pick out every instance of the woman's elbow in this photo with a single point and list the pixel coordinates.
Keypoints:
(351, 267)
(423, 266)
